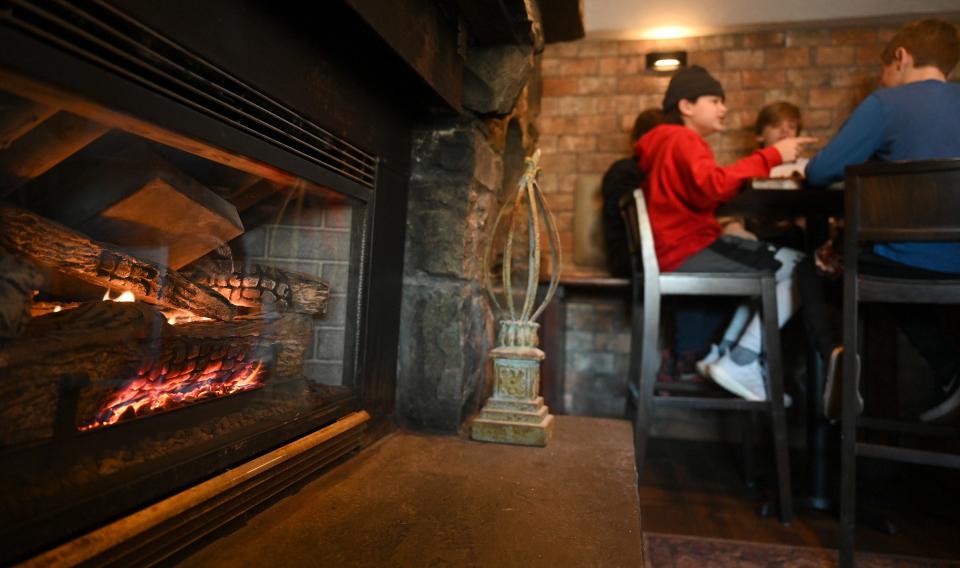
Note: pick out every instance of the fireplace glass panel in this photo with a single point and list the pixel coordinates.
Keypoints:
(169, 309)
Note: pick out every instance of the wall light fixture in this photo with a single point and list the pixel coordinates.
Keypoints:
(666, 60)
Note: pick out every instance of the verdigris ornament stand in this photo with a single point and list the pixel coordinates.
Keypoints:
(515, 413)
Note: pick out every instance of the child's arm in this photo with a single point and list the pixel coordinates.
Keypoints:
(715, 185)
(859, 138)
(735, 227)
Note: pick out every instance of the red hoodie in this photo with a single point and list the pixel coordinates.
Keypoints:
(684, 186)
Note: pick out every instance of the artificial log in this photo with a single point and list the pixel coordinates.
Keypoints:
(38, 309)
(49, 143)
(292, 332)
(19, 116)
(263, 287)
(175, 366)
(19, 279)
(142, 202)
(50, 244)
(113, 344)
(100, 339)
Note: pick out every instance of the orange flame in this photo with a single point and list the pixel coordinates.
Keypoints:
(124, 297)
(151, 391)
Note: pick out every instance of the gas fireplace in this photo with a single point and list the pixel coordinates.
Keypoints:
(200, 251)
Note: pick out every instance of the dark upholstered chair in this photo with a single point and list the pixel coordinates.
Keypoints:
(897, 201)
(649, 286)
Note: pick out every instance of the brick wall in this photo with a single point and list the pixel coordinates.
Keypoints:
(314, 241)
(597, 352)
(593, 90)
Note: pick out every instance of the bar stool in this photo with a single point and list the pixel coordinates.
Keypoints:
(649, 286)
(896, 201)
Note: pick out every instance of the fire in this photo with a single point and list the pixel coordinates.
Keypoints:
(124, 297)
(156, 390)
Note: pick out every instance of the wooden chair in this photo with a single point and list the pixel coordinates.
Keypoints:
(648, 287)
(896, 201)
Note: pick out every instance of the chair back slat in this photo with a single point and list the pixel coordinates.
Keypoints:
(905, 201)
(640, 235)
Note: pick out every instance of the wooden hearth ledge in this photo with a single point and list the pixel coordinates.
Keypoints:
(52, 245)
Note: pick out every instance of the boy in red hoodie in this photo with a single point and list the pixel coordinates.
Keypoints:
(684, 187)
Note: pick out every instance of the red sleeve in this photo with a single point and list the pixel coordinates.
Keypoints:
(714, 185)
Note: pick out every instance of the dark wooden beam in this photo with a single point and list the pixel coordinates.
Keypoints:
(427, 39)
(19, 116)
(43, 146)
(562, 20)
(46, 95)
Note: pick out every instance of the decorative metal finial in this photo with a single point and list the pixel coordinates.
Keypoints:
(515, 414)
(519, 329)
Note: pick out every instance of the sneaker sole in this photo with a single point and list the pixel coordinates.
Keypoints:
(720, 377)
(942, 409)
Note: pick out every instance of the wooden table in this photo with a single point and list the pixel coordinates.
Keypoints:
(786, 199)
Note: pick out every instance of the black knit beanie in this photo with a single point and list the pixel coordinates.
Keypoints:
(689, 84)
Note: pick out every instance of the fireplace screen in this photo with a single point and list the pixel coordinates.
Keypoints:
(167, 309)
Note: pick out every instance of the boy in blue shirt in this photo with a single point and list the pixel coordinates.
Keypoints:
(916, 116)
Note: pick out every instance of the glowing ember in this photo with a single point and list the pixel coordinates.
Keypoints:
(174, 320)
(154, 390)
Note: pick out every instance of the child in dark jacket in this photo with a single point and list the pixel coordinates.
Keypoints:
(684, 187)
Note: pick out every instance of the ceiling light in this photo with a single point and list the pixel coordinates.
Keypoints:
(666, 60)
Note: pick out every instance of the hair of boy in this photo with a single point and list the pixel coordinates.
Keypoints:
(930, 42)
(645, 122)
(775, 113)
(690, 84)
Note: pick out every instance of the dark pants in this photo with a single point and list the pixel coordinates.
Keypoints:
(925, 326)
(700, 319)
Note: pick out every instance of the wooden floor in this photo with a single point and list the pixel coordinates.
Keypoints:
(697, 489)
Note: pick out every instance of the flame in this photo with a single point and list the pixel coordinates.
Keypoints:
(156, 390)
(57, 309)
(124, 297)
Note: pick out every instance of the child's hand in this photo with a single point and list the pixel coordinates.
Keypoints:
(737, 229)
(789, 148)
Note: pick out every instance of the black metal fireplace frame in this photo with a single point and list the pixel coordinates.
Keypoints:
(32, 57)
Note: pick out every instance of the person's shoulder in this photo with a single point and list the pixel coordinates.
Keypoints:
(622, 166)
(915, 90)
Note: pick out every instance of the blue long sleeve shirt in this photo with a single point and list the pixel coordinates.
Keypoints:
(916, 121)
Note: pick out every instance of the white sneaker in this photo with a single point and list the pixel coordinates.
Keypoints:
(745, 381)
(703, 365)
(951, 400)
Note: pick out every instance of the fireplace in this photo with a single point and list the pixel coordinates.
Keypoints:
(201, 249)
